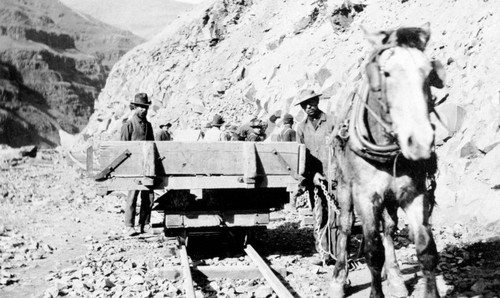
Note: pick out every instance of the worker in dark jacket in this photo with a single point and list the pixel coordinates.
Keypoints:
(164, 133)
(287, 134)
(257, 134)
(315, 132)
(137, 128)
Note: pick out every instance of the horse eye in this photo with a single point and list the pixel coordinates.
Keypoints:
(386, 74)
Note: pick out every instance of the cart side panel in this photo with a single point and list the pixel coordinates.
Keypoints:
(201, 158)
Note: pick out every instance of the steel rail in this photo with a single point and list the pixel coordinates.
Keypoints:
(260, 265)
(268, 274)
(186, 272)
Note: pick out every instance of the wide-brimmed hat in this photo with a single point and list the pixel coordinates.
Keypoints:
(141, 99)
(306, 95)
(168, 124)
(233, 128)
(217, 120)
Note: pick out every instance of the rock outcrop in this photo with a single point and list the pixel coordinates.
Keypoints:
(240, 57)
(53, 63)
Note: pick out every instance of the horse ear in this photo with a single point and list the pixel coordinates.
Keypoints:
(437, 75)
(425, 34)
(376, 38)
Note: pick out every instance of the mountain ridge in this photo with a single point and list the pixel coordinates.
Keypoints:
(54, 64)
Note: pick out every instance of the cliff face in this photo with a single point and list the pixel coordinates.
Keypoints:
(54, 63)
(241, 57)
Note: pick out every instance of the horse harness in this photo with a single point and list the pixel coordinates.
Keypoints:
(354, 127)
(353, 130)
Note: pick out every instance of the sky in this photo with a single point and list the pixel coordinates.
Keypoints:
(144, 18)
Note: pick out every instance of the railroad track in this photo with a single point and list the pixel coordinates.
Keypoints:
(258, 269)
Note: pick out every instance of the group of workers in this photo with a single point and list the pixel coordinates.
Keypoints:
(314, 131)
(254, 130)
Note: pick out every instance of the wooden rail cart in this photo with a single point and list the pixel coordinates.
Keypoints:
(202, 185)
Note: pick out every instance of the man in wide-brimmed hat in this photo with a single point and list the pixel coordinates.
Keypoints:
(137, 128)
(215, 134)
(315, 132)
(164, 133)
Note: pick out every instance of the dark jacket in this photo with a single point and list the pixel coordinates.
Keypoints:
(163, 136)
(244, 131)
(253, 137)
(137, 129)
(317, 141)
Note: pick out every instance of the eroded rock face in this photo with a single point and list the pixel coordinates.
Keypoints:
(242, 57)
(53, 64)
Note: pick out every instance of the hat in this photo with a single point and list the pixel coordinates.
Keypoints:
(168, 124)
(217, 120)
(306, 95)
(141, 99)
(256, 123)
(233, 128)
(287, 119)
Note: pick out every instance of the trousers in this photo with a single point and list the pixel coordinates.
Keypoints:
(325, 226)
(147, 200)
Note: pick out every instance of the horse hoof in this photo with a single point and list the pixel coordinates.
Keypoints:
(336, 290)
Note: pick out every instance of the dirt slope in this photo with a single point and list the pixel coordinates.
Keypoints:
(242, 57)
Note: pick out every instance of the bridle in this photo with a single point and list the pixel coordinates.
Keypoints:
(375, 83)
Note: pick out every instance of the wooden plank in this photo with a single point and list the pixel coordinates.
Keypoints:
(202, 158)
(186, 273)
(215, 272)
(302, 160)
(268, 274)
(186, 158)
(200, 182)
(200, 220)
(249, 163)
(149, 159)
(271, 165)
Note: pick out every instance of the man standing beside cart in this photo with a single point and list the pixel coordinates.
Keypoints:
(137, 128)
(315, 132)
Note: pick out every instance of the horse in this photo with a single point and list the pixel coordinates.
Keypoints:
(385, 160)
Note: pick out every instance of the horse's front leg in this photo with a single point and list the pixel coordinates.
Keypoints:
(395, 279)
(340, 272)
(418, 212)
(369, 208)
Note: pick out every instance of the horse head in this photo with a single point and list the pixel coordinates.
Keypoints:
(400, 70)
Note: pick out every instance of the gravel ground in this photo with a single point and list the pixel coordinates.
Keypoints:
(59, 238)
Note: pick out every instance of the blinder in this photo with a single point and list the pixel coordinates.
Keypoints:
(436, 77)
(373, 74)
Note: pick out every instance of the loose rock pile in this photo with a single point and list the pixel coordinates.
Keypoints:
(17, 251)
(110, 265)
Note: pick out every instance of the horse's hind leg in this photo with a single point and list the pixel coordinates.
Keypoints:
(418, 212)
(370, 209)
(395, 280)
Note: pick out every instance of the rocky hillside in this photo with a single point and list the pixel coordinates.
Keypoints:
(53, 63)
(239, 57)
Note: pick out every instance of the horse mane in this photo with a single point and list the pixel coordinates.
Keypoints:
(412, 37)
